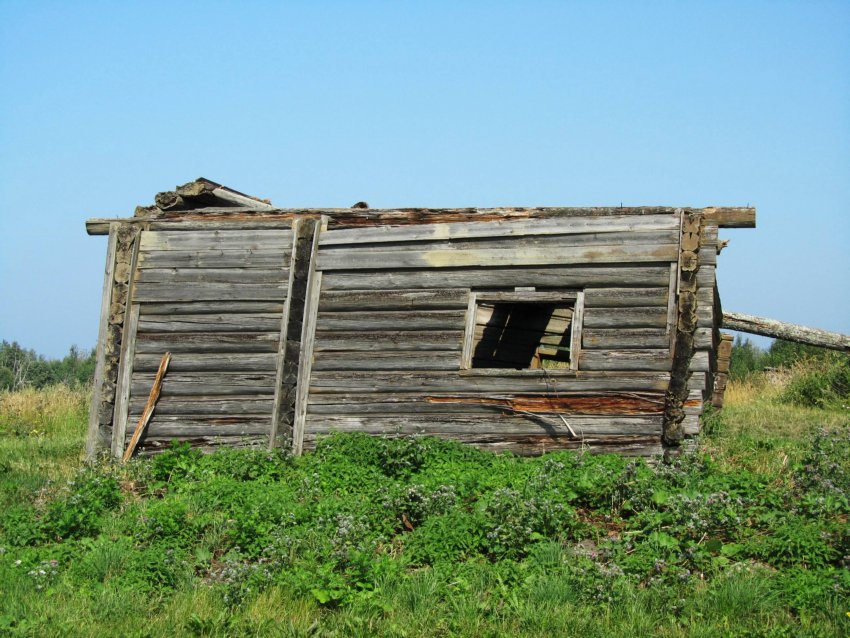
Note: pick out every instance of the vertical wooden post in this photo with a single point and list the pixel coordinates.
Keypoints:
(686, 324)
(95, 441)
(575, 331)
(122, 389)
(292, 337)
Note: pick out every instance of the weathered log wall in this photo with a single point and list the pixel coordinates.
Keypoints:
(287, 325)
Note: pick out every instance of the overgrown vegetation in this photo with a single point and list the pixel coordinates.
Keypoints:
(404, 537)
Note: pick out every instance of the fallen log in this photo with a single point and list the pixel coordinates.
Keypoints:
(786, 331)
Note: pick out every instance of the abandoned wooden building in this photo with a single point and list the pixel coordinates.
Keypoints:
(522, 329)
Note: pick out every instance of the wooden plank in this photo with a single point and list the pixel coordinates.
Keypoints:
(197, 342)
(191, 362)
(122, 389)
(499, 228)
(651, 317)
(731, 217)
(170, 431)
(359, 300)
(433, 360)
(213, 308)
(94, 441)
(625, 297)
(200, 405)
(148, 407)
(501, 381)
(576, 330)
(263, 259)
(354, 259)
(497, 425)
(625, 360)
(391, 320)
(576, 276)
(209, 291)
(213, 275)
(620, 338)
(207, 383)
(560, 242)
(235, 322)
(389, 340)
(525, 296)
(165, 240)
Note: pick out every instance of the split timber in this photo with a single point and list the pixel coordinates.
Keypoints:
(287, 324)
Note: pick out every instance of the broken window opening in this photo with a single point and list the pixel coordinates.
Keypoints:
(521, 335)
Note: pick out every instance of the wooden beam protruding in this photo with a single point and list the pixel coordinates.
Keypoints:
(786, 331)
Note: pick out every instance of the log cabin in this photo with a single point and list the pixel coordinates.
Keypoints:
(517, 329)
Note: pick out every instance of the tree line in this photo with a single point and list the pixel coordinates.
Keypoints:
(21, 367)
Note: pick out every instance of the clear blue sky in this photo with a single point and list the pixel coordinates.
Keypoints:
(425, 104)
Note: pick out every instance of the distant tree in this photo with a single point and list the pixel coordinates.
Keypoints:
(20, 367)
(747, 358)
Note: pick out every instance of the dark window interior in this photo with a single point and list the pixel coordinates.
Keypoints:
(522, 335)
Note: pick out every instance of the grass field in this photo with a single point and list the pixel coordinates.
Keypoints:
(368, 536)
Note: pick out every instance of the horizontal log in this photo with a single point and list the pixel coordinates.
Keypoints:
(624, 297)
(271, 239)
(178, 431)
(352, 259)
(538, 424)
(730, 217)
(561, 242)
(259, 322)
(213, 307)
(199, 405)
(389, 340)
(213, 275)
(391, 320)
(386, 361)
(208, 291)
(264, 259)
(533, 445)
(787, 331)
(619, 338)
(445, 299)
(201, 421)
(498, 228)
(651, 317)
(207, 383)
(197, 342)
(191, 362)
(625, 360)
(486, 381)
(700, 361)
(578, 276)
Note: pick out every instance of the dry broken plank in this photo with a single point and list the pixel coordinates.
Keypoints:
(557, 276)
(620, 338)
(198, 405)
(211, 291)
(213, 275)
(505, 425)
(213, 362)
(152, 342)
(389, 340)
(208, 383)
(264, 259)
(274, 239)
(500, 257)
(787, 331)
(149, 405)
(651, 317)
(543, 380)
(499, 228)
(235, 322)
(560, 242)
(391, 320)
(443, 299)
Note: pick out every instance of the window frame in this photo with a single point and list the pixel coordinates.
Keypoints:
(575, 297)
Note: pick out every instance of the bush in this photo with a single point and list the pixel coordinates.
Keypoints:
(822, 383)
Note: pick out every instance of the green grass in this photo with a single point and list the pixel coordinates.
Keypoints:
(416, 537)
